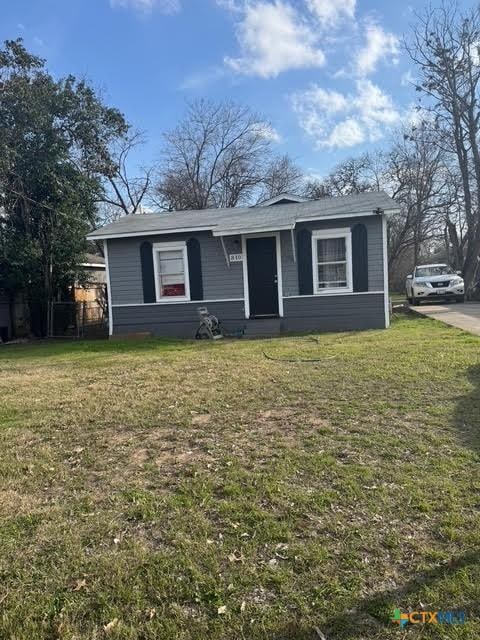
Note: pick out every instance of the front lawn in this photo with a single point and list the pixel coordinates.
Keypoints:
(173, 491)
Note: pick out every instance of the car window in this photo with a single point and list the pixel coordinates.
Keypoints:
(439, 270)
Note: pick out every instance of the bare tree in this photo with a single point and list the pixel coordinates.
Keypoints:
(416, 175)
(282, 175)
(316, 190)
(216, 157)
(454, 237)
(353, 175)
(446, 50)
(125, 194)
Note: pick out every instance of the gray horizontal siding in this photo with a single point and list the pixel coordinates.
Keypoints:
(174, 320)
(306, 313)
(125, 271)
(334, 313)
(316, 313)
(289, 267)
(219, 281)
(375, 251)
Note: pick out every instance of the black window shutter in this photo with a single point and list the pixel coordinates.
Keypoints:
(304, 262)
(195, 269)
(360, 257)
(148, 277)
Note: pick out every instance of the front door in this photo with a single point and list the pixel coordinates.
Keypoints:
(262, 276)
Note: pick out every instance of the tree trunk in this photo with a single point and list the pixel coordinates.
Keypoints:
(447, 246)
(457, 257)
(470, 266)
(11, 314)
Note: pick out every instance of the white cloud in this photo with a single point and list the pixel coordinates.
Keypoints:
(268, 132)
(374, 105)
(331, 12)
(347, 133)
(230, 5)
(379, 45)
(274, 38)
(475, 53)
(312, 175)
(331, 102)
(147, 6)
(202, 79)
(408, 79)
(339, 120)
(415, 115)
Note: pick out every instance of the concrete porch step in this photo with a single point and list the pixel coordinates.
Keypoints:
(263, 326)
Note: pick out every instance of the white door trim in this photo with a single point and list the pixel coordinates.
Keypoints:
(246, 293)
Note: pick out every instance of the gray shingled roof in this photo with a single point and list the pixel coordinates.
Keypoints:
(246, 219)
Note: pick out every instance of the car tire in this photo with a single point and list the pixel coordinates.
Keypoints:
(459, 298)
(415, 302)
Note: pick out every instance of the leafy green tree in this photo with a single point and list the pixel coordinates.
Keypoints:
(56, 138)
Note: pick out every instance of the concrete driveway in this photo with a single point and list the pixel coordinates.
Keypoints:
(464, 316)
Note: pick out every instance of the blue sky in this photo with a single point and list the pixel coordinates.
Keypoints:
(330, 75)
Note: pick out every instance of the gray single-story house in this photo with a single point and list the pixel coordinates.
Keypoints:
(286, 265)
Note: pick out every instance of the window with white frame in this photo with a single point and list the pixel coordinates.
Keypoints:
(171, 271)
(332, 262)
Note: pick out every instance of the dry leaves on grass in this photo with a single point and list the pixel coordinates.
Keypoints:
(113, 624)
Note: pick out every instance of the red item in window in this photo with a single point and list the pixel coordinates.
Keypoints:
(173, 290)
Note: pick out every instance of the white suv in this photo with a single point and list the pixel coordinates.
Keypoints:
(433, 281)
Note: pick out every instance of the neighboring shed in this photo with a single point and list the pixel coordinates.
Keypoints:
(285, 265)
(94, 268)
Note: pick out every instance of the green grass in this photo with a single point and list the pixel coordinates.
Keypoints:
(398, 298)
(179, 490)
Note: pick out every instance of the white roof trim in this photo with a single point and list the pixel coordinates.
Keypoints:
(358, 214)
(245, 230)
(283, 196)
(152, 232)
(95, 265)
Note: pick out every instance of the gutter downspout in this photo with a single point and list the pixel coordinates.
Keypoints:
(294, 249)
(225, 252)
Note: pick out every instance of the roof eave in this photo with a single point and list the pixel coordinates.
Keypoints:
(251, 230)
(97, 235)
(282, 196)
(151, 232)
(93, 265)
(356, 214)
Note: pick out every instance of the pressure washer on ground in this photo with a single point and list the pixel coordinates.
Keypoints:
(209, 328)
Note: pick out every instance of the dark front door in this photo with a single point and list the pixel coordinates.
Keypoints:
(262, 276)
